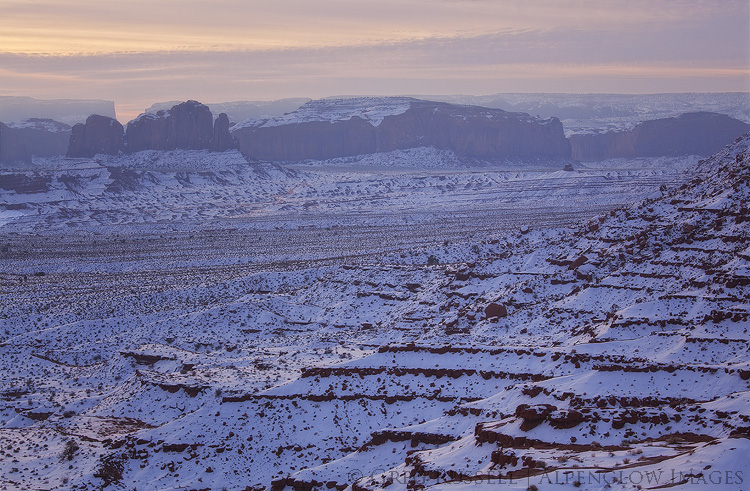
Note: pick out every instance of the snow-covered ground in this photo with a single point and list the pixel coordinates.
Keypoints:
(370, 109)
(188, 321)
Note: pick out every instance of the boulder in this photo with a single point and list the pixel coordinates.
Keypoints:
(494, 310)
(533, 415)
(565, 419)
(579, 261)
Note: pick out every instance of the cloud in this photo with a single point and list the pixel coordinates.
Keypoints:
(238, 50)
(144, 25)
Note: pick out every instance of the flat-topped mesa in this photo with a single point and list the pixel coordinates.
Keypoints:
(346, 127)
(473, 131)
(700, 133)
(21, 140)
(10, 150)
(99, 135)
(188, 126)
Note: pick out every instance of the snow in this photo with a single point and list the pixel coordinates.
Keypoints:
(175, 312)
(40, 124)
(370, 109)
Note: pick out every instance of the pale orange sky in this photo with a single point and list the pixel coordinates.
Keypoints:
(140, 52)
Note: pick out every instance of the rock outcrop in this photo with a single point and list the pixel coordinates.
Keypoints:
(701, 133)
(308, 140)
(10, 150)
(99, 135)
(20, 141)
(222, 140)
(472, 131)
(494, 310)
(399, 123)
(187, 126)
(147, 132)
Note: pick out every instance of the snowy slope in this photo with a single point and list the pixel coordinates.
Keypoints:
(371, 109)
(150, 360)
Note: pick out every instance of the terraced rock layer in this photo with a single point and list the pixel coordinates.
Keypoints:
(623, 352)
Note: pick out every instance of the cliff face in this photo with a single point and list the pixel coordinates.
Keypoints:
(689, 134)
(188, 126)
(472, 131)
(466, 130)
(10, 150)
(308, 140)
(222, 140)
(147, 132)
(609, 145)
(100, 134)
(20, 141)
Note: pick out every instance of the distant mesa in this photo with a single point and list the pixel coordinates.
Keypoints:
(35, 137)
(10, 151)
(333, 128)
(100, 134)
(700, 133)
(188, 126)
(68, 111)
(243, 110)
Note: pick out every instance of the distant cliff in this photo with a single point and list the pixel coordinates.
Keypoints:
(188, 126)
(22, 140)
(243, 110)
(68, 111)
(10, 151)
(701, 133)
(338, 128)
(100, 134)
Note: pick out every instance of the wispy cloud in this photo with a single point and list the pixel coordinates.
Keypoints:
(144, 25)
(139, 52)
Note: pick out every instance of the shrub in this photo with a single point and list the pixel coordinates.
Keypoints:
(69, 451)
(110, 468)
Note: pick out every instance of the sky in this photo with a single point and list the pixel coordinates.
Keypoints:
(138, 52)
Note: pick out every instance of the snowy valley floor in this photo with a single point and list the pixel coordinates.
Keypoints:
(239, 326)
